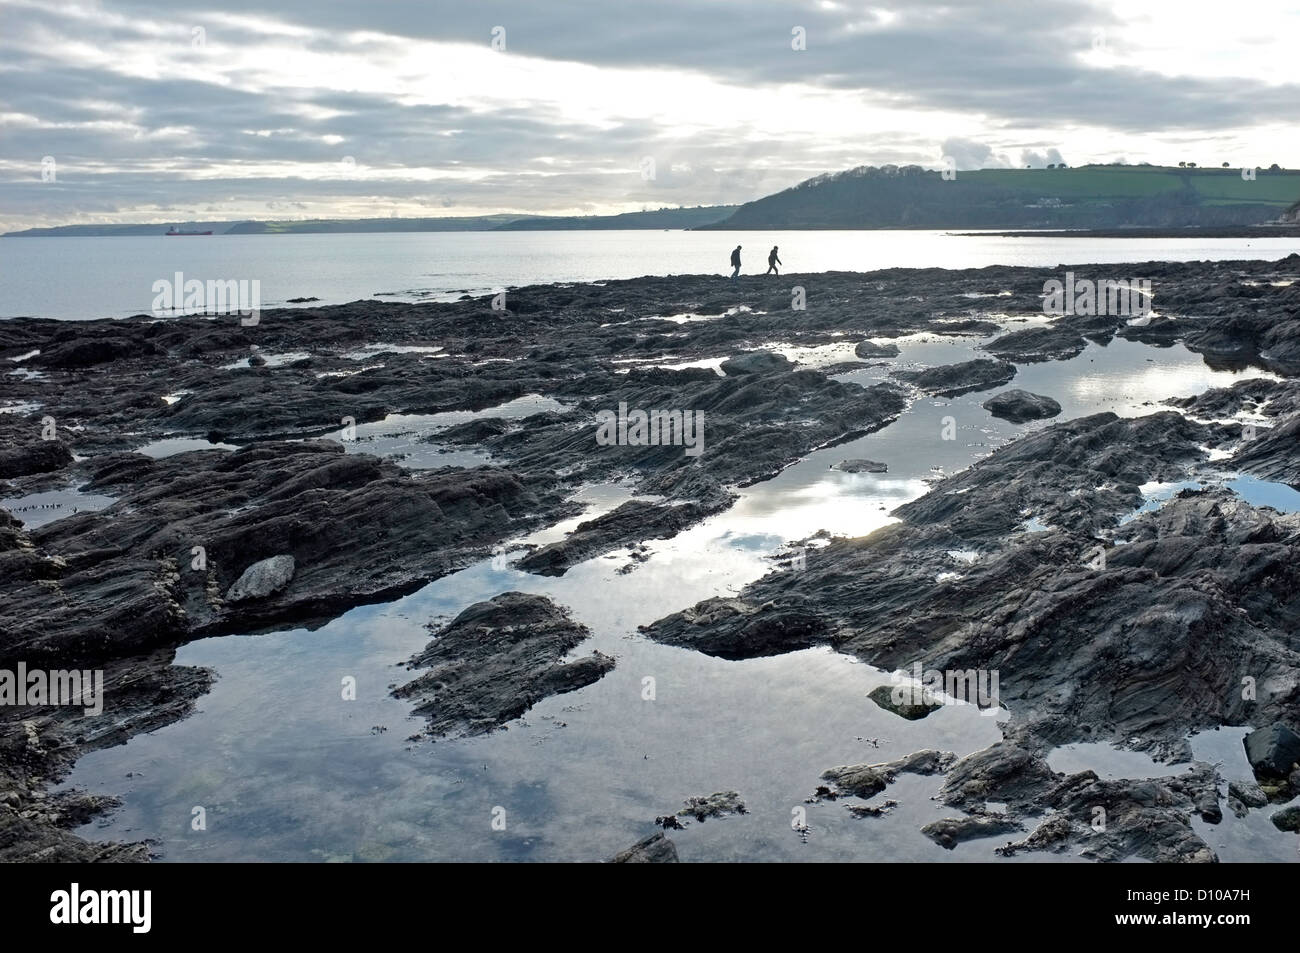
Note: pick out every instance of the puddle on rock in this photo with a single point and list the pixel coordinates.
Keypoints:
(169, 446)
(37, 509)
(403, 435)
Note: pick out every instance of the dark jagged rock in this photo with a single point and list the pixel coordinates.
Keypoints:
(1287, 819)
(655, 849)
(44, 456)
(965, 326)
(1271, 454)
(866, 780)
(872, 810)
(912, 705)
(1108, 820)
(859, 780)
(1151, 646)
(128, 579)
(1001, 772)
(758, 362)
(496, 660)
(39, 744)
(1019, 406)
(1273, 751)
(633, 521)
(1148, 819)
(951, 831)
(927, 761)
(952, 380)
(262, 578)
(99, 349)
(718, 804)
(473, 431)
(733, 629)
(1056, 343)
(870, 349)
(1104, 457)
(1250, 795)
(754, 425)
(1273, 398)
(860, 466)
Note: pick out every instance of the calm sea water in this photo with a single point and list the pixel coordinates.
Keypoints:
(113, 277)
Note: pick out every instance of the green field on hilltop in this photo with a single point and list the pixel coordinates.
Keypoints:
(1094, 196)
(1100, 183)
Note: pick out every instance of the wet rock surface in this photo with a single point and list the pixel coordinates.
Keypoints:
(1191, 598)
(1273, 752)
(1019, 406)
(1038, 344)
(655, 849)
(951, 380)
(866, 780)
(860, 466)
(633, 521)
(262, 578)
(951, 831)
(1250, 795)
(870, 349)
(1105, 820)
(702, 807)
(912, 705)
(42, 457)
(163, 565)
(496, 660)
(38, 746)
(1287, 819)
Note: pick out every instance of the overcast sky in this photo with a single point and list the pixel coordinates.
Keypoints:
(198, 109)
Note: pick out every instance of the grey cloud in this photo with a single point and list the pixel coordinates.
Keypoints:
(1039, 160)
(969, 154)
(1015, 62)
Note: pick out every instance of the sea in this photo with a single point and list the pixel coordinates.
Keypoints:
(79, 278)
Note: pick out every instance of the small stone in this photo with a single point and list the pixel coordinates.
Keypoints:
(1251, 795)
(860, 780)
(860, 466)
(757, 362)
(916, 703)
(870, 349)
(262, 578)
(1019, 406)
(1287, 819)
(1272, 751)
(655, 849)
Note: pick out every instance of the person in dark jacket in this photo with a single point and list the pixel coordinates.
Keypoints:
(772, 262)
(735, 261)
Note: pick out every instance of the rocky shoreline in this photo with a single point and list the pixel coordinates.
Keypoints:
(282, 518)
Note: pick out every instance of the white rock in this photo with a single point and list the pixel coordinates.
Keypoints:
(262, 578)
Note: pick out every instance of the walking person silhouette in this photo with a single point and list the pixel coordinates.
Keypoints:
(772, 262)
(735, 261)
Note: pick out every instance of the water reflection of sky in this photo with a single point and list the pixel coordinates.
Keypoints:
(37, 509)
(412, 438)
